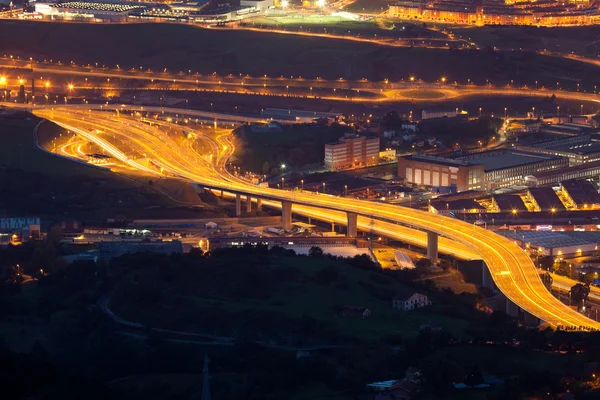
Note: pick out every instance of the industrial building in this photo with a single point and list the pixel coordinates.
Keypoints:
(433, 113)
(583, 171)
(578, 149)
(544, 199)
(259, 5)
(352, 151)
(566, 129)
(88, 10)
(445, 174)
(556, 244)
(580, 194)
(511, 167)
(479, 171)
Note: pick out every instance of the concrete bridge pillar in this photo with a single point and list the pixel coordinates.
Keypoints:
(259, 204)
(512, 309)
(486, 277)
(286, 214)
(432, 247)
(248, 203)
(352, 230)
(530, 320)
(238, 205)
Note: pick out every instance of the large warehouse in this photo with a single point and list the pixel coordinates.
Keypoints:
(88, 10)
(480, 171)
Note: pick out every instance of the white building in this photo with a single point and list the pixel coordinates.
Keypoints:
(260, 5)
(405, 302)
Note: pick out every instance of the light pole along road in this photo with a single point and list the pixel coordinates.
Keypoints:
(511, 268)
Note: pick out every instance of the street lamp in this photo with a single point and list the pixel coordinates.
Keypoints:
(345, 190)
(302, 184)
(323, 187)
(282, 180)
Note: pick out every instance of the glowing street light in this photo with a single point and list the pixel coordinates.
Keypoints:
(284, 3)
(2, 80)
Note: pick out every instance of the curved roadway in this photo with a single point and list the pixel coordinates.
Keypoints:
(511, 268)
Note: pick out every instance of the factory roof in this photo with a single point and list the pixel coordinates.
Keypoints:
(547, 199)
(581, 191)
(97, 6)
(549, 239)
(577, 148)
(509, 202)
(503, 159)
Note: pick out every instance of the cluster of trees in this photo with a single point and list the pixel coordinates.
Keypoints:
(295, 147)
(82, 339)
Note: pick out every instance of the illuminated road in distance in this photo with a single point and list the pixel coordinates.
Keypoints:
(511, 268)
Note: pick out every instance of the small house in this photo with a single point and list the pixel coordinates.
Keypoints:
(407, 301)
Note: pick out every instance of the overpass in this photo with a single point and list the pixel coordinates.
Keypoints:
(510, 267)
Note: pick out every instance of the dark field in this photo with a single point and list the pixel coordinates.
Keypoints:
(580, 40)
(180, 47)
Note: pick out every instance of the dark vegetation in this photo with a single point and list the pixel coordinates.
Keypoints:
(465, 133)
(37, 183)
(75, 347)
(296, 146)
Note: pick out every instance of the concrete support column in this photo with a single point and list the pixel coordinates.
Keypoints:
(259, 204)
(286, 215)
(530, 320)
(352, 230)
(486, 277)
(238, 205)
(432, 247)
(248, 203)
(332, 226)
(512, 309)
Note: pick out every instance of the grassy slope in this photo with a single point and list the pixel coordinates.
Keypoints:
(19, 151)
(300, 298)
(182, 47)
(38, 182)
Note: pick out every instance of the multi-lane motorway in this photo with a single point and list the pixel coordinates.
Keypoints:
(171, 148)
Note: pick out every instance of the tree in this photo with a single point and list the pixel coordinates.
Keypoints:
(327, 274)
(546, 262)
(391, 120)
(562, 268)
(579, 293)
(315, 251)
(423, 265)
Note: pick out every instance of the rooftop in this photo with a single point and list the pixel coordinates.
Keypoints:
(577, 148)
(91, 6)
(576, 168)
(502, 159)
(547, 199)
(549, 239)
